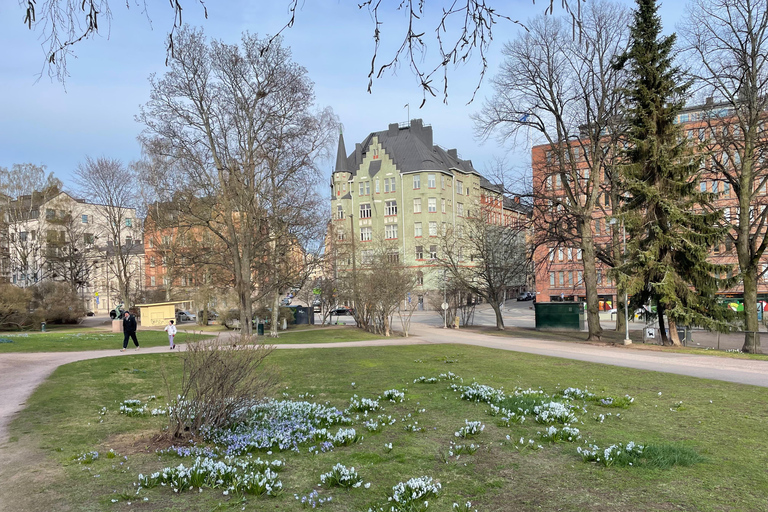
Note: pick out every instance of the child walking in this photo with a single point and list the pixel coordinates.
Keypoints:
(171, 330)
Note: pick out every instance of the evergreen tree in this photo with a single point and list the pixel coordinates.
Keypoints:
(670, 227)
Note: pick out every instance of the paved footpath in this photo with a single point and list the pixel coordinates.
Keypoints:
(21, 373)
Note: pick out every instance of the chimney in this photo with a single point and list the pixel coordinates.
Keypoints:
(453, 153)
(393, 129)
(709, 102)
(358, 153)
(517, 199)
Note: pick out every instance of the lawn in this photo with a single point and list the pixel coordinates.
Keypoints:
(323, 335)
(77, 411)
(83, 339)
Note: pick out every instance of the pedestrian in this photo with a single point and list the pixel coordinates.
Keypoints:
(129, 331)
(171, 330)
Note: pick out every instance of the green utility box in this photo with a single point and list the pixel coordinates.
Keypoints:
(559, 315)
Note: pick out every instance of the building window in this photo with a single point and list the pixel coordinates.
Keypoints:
(390, 231)
(84, 219)
(419, 278)
(561, 276)
(88, 238)
(715, 187)
(362, 188)
(340, 236)
(442, 182)
(417, 229)
(442, 204)
(386, 185)
(378, 189)
(460, 209)
(391, 208)
(459, 187)
(49, 213)
(559, 254)
(365, 211)
(432, 205)
(23, 236)
(417, 205)
(703, 186)
(151, 280)
(580, 277)
(433, 252)
(599, 276)
(433, 229)
(419, 252)
(365, 234)
(151, 243)
(339, 212)
(152, 262)
(431, 181)
(570, 278)
(389, 185)
(727, 189)
(578, 254)
(128, 222)
(416, 182)
(551, 279)
(393, 257)
(570, 254)
(366, 257)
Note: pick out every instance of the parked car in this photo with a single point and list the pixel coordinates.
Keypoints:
(286, 301)
(342, 310)
(89, 313)
(526, 296)
(185, 316)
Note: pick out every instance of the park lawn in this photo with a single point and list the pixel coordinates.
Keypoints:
(85, 339)
(322, 335)
(723, 422)
(609, 336)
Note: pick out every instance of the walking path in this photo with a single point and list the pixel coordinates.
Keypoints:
(21, 373)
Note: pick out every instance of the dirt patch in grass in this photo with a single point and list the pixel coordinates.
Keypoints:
(148, 441)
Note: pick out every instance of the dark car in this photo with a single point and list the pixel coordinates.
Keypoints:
(342, 310)
(526, 296)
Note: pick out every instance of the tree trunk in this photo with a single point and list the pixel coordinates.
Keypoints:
(590, 279)
(620, 319)
(497, 312)
(275, 315)
(674, 339)
(751, 323)
(662, 332)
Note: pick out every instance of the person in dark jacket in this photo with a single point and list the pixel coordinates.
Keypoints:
(129, 331)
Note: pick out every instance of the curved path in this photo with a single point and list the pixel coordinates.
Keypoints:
(21, 373)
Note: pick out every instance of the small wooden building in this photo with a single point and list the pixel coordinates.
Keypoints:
(159, 313)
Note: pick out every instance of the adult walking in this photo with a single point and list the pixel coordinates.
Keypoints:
(129, 331)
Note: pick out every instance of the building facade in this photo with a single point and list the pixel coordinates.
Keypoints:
(62, 238)
(399, 189)
(559, 267)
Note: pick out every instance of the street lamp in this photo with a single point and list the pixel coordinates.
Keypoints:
(627, 341)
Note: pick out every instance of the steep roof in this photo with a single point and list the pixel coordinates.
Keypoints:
(410, 147)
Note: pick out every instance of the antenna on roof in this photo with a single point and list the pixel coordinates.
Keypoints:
(408, 106)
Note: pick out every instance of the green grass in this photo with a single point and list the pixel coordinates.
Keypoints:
(713, 445)
(85, 339)
(323, 335)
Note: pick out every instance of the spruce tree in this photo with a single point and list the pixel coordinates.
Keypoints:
(671, 229)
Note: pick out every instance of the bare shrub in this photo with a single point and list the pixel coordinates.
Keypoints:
(220, 378)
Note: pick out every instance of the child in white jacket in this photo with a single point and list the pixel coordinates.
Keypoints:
(171, 330)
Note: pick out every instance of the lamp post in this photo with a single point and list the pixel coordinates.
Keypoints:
(627, 341)
(445, 301)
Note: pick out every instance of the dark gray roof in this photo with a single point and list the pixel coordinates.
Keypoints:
(510, 204)
(410, 147)
(341, 161)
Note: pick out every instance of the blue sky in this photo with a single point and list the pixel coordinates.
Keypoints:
(45, 122)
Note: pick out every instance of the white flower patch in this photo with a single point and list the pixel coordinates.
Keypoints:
(554, 412)
(555, 435)
(345, 437)
(394, 395)
(470, 428)
(341, 476)
(577, 393)
(244, 476)
(479, 393)
(362, 405)
(406, 495)
(616, 453)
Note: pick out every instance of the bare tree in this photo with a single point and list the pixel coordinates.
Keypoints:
(567, 92)
(69, 251)
(235, 127)
(486, 258)
(727, 41)
(27, 187)
(110, 185)
(462, 29)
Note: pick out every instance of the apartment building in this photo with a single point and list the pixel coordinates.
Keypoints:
(559, 267)
(59, 237)
(399, 188)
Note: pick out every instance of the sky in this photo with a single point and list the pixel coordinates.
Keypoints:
(43, 121)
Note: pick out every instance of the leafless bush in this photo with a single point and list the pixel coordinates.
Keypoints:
(220, 377)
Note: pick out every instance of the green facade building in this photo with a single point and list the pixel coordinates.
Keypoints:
(399, 189)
